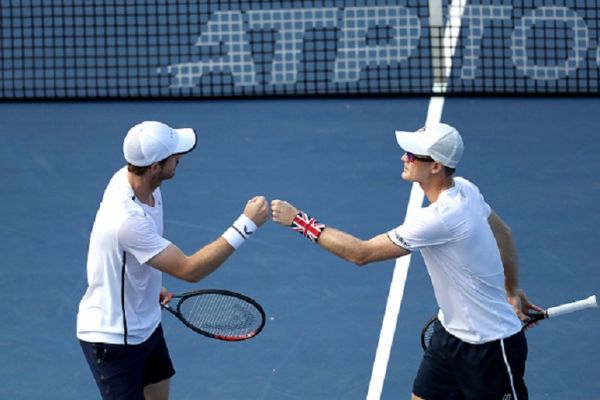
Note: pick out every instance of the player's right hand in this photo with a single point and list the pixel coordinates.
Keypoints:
(283, 212)
(257, 209)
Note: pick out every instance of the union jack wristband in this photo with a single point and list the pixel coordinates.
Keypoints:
(307, 226)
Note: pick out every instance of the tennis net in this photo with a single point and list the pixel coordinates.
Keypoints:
(75, 49)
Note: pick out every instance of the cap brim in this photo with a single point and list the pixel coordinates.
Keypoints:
(408, 142)
(186, 140)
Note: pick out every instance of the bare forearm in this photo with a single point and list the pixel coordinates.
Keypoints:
(210, 257)
(207, 260)
(335, 241)
(196, 266)
(508, 253)
(343, 245)
(357, 251)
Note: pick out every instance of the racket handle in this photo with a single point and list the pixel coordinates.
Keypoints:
(536, 316)
(590, 302)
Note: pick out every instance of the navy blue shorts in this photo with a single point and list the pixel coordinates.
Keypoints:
(121, 371)
(452, 369)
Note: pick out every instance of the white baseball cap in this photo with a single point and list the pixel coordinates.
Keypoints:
(439, 141)
(150, 141)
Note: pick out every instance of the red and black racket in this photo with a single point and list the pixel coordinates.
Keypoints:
(219, 314)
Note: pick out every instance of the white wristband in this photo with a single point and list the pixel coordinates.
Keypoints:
(242, 229)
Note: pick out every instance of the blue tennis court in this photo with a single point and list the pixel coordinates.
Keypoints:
(264, 85)
(535, 160)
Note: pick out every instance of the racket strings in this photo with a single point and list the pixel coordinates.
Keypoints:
(427, 333)
(427, 336)
(221, 315)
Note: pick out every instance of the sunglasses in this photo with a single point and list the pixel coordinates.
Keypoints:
(413, 157)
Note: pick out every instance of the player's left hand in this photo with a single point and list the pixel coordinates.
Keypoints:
(165, 296)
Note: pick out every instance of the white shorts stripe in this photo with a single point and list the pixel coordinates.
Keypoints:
(510, 375)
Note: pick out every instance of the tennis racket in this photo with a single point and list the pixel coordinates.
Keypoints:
(551, 312)
(219, 314)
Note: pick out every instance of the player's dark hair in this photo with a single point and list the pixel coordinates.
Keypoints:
(449, 171)
(139, 171)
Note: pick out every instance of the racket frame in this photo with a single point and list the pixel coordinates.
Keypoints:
(427, 332)
(184, 296)
(551, 312)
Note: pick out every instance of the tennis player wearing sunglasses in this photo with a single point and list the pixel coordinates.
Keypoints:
(479, 349)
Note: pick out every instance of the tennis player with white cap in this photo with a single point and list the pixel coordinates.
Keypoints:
(479, 349)
(119, 318)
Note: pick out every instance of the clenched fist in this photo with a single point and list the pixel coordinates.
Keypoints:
(283, 212)
(257, 209)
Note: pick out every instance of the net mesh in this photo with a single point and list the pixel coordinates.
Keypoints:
(61, 49)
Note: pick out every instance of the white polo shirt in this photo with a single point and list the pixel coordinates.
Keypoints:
(463, 261)
(121, 303)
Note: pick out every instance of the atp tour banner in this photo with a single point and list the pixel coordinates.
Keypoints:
(122, 49)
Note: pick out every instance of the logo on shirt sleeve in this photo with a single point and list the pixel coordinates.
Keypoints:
(399, 240)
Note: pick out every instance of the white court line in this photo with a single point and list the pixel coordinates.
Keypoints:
(392, 308)
(434, 115)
